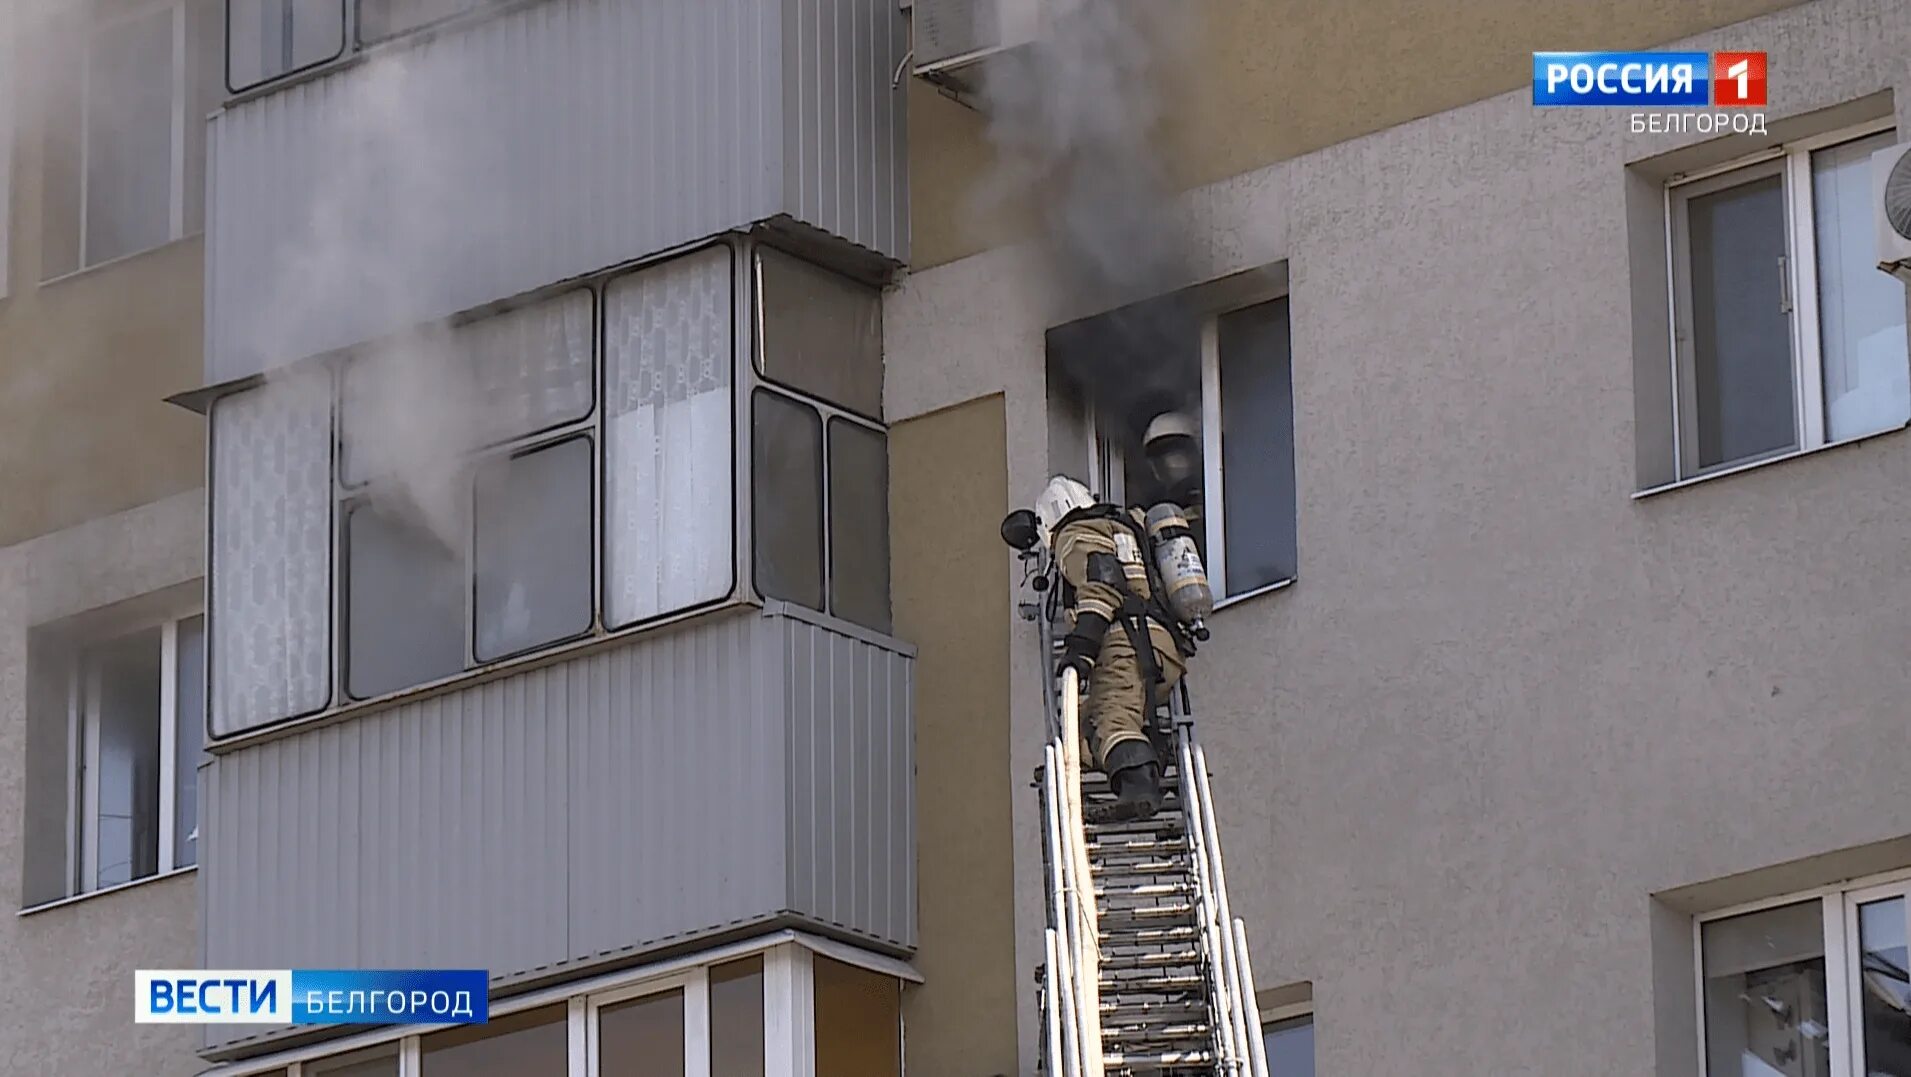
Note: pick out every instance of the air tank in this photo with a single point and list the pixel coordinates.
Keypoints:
(1184, 579)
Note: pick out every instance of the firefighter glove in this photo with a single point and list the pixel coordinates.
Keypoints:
(1080, 647)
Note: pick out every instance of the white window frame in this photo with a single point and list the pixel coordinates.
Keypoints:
(1107, 463)
(176, 201)
(789, 1010)
(83, 743)
(1838, 911)
(1800, 283)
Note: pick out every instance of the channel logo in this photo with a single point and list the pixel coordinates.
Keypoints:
(1739, 79)
(1649, 79)
(310, 996)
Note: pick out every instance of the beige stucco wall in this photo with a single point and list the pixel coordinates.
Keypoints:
(1506, 704)
(87, 360)
(1265, 80)
(950, 597)
(66, 972)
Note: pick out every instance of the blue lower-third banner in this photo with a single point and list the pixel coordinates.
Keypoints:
(311, 996)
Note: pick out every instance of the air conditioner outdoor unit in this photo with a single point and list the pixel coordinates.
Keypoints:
(955, 40)
(1891, 203)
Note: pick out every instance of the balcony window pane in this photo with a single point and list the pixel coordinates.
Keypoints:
(536, 1042)
(1860, 310)
(531, 548)
(1884, 988)
(1765, 1007)
(787, 438)
(736, 1018)
(859, 524)
(269, 38)
(668, 514)
(271, 589)
(404, 607)
(821, 332)
(1740, 348)
(643, 1038)
(189, 731)
(858, 1021)
(432, 395)
(376, 1062)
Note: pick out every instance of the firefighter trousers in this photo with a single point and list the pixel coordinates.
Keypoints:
(1116, 702)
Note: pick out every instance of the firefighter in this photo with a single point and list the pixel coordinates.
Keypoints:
(1119, 642)
(1172, 446)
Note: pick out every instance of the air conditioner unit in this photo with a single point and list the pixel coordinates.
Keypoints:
(956, 40)
(1891, 203)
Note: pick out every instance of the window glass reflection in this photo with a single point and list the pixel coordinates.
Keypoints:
(1765, 1008)
(1884, 988)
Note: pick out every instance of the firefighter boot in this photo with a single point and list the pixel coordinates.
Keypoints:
(1135, 773)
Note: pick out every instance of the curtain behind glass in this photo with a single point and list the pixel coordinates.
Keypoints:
(668, 354)
(271, 503)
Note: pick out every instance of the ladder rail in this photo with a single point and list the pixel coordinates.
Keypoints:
(1257, 1041)
(1226, 1038)
(1087, 971)
(1211, 834)
(1062, 1002)
(1056, 1065)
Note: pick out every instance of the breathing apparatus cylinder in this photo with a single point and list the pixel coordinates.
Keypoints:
(1184, 579)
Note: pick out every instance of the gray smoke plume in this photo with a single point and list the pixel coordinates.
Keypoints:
(398, 204)
(1074, 119)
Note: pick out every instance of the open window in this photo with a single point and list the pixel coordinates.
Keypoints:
(1216, 361)
(115, 726)
(1785, 337)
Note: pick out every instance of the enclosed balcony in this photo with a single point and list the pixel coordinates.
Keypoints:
(556, 637)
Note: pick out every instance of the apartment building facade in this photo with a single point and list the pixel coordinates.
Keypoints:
(548, 524)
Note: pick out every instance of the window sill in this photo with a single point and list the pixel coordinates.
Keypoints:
(117, 260)
(1763, 462)
(1264, 589)
(105, 890)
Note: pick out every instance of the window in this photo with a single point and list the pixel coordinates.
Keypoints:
(821, 499)
(460, 495)
(115, 729)
(711, 1015)
(1812, 985)
(533, 1042)
(436, 535)
(1225, 367)
(822, 334)
(266, 39)
(376, 1062)
(1290, 1046)
(1785, 335)
(125, 152)
(858, 1020)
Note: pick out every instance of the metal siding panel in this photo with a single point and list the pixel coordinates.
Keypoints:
(844, 127)
(851, 808)
(595, 136)
(687, 781)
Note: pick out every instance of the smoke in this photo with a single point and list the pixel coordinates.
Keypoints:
(1074, 121)
(401, 199)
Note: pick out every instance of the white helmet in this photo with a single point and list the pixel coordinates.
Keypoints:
(1060, 497)
(1170, 424)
